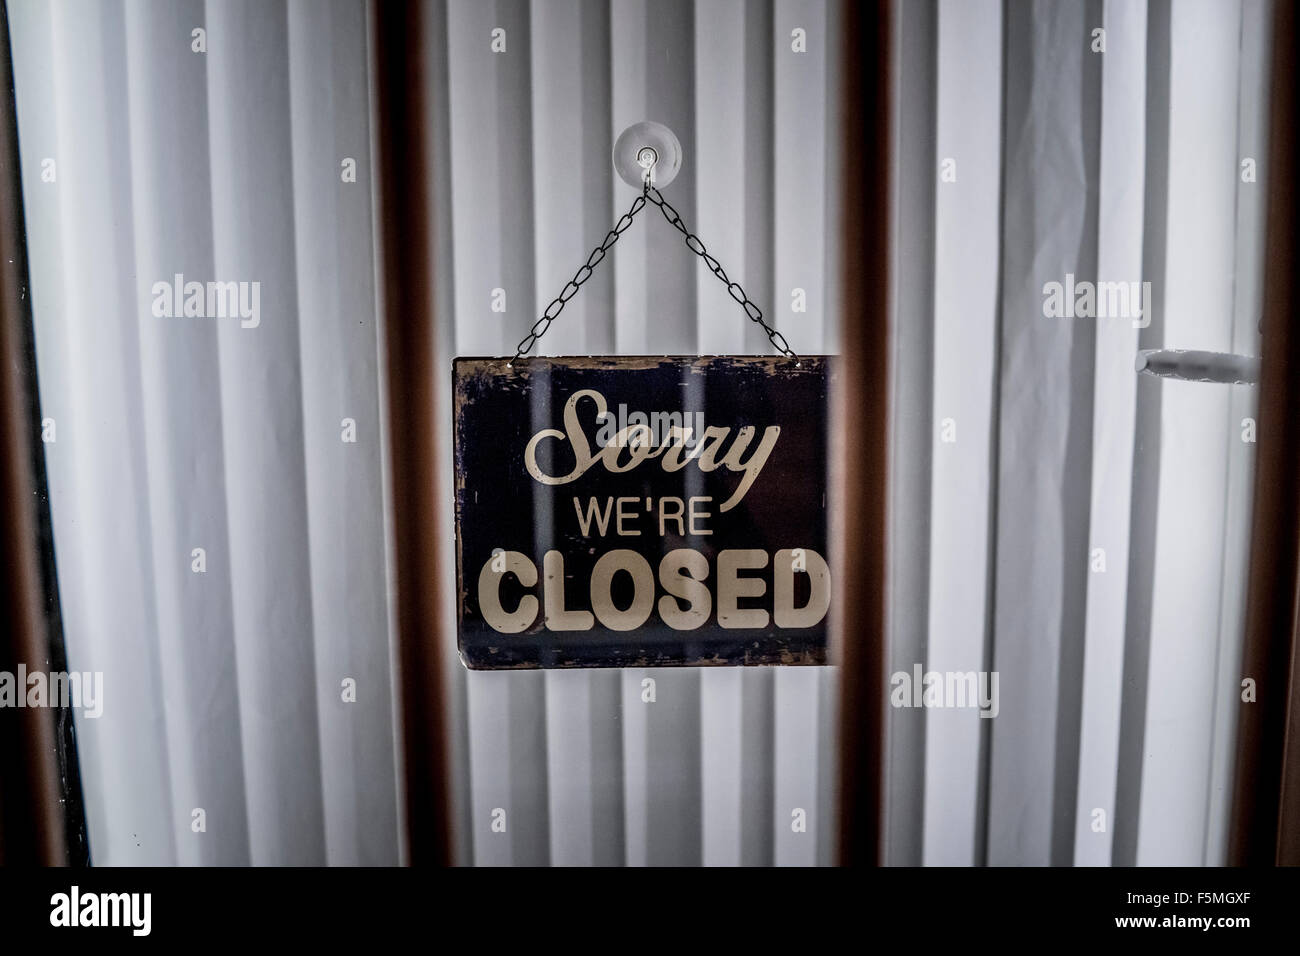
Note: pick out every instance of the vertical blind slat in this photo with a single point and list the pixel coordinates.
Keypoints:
(1188, 545)
(1119, 259)
(1044, 430)
(798, 134)
(262, 425)
(966, 261)
(183, 439)
(99, 479)
(339, 356)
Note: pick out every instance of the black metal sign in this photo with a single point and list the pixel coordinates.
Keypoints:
(641, 511)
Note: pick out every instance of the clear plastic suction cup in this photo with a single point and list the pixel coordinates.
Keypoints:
(647, 146)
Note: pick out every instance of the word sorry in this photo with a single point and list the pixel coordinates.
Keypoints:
(635, 439)
(682, 574)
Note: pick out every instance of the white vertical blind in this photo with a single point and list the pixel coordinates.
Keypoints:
(1195, 430)
(330, 126)
(965, 336)
(1119, 256)
(180, 376)
(87, 338)
(225, 689)
(1086, 527)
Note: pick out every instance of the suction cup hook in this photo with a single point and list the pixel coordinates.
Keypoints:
(647, 149)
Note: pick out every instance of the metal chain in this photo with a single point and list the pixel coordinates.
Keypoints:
(651, 194)
(552, 311)
(733, 288)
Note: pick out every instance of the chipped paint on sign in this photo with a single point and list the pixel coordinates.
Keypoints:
(641, 511)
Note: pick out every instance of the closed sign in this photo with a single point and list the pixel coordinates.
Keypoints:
(641, 511)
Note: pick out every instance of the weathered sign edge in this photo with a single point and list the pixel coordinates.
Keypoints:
(818, 658)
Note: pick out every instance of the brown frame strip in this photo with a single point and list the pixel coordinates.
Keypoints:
(411, 353)
(860, 424)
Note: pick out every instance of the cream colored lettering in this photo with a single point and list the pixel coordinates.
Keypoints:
(685, 600)
(643, 590)
(732, 587)
(689, 587)
(784, 613)
(489, 594)
(557, 618)
(636, 440)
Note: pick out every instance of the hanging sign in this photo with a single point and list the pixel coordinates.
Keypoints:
(641, 511)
